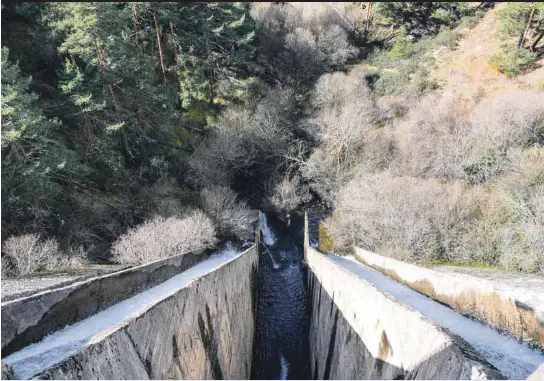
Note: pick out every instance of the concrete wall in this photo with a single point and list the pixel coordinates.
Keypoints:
(519, 311)
(28, 320)
(204, 331)
(357, 332)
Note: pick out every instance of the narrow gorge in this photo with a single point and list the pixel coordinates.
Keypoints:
(278, 310)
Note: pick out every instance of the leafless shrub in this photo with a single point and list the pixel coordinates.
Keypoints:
(344, 110)
(8, 269)
(344, 114)
(219, 157)
(245, 138)
(300, 42)
(431, 140)
(230, 215)
(396, 216)
(379, 150)
(324, 174)
(29, 254)
(313, 16)
(394, 106)
(276, 17)
(302, 57)
(522, 248)
(522, 240)
(440, 139)
(268, 130)
(333, 43)
(481, 214)
(164, 237)
(289, 193)
(499, 125)
(516, 118)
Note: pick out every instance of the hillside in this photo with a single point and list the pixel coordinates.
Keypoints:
(143, 130)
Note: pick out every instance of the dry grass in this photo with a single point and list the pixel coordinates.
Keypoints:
(164, 237)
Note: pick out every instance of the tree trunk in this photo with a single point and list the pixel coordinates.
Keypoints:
(175, 47)
(161, 57)
(368, 17)
(100, 55)
(135, 22)
(535, 43)
(211, 88)
(124, 140)
(526, 29)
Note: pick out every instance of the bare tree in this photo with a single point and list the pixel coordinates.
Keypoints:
(230, 215)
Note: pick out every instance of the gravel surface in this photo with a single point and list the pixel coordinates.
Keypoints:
(17, 288)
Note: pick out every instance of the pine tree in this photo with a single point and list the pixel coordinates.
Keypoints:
(35, 161)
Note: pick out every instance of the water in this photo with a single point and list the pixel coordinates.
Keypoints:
(281, 344)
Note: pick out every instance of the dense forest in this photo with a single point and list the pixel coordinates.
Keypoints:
(132, 131)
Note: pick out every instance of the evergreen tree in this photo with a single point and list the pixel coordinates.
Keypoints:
(36, 162)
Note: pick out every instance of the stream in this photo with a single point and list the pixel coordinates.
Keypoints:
(281, 348)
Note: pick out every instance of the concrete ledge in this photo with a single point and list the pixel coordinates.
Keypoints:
(358, 332)
(204, 330)
(29, 319)
(517, 311)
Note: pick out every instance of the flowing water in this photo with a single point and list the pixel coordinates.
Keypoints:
(281, 344)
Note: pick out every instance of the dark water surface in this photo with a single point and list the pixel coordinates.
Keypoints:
(281, 348)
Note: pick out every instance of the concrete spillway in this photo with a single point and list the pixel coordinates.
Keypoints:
(279, 310)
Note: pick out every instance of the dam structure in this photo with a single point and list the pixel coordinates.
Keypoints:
(280, 309)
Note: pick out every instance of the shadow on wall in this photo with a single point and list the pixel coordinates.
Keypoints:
(338, 352)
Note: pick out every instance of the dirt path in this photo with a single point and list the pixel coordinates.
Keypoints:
(466, 73)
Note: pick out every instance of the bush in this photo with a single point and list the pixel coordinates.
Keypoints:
(522, 248)
(28, 254)
(394, 106)
(345, 113)
(395, 216)
(164, 237)
(430, 140)
(333, 43)
(521, 245)
(299, 42)
(288, 194)
(246, 141)
(513, 62)
(391, 83)
(224, 152)
(344, 109)
(438, 139)
(499, 126)
(230, 215)
(324, 174)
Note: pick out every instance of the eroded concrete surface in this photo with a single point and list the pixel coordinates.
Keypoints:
(505, 302)
(27, 320)
(202, 331)
(357, 332)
